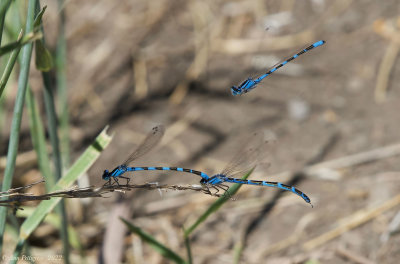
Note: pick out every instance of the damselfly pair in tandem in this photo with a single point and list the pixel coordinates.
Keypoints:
(241, 163)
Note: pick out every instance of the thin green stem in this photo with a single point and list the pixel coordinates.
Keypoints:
(158, 246)
(39, 139)
(52, 127)
(4, 4)
(188, 250)
(216, 205)
(52, 123)
(62, 98)
(81, 165)
(17, 116)
(237, 252)
(10, 65)
(2, 19)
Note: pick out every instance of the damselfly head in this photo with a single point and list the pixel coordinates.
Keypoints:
(235, 90)
(106, 175)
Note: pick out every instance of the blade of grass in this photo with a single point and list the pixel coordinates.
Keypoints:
(17, 116)
(216, 205)
(4, 4)
(43, 59)
(2, 19)
(163, 250)
(38, 139)
(62, 96)
(78, 169)
(10, 65)
(54, 220)
(237, 252)
(44, 64)
(49, 99)
(19, 43)
(15, 19)
(52, 128)
(38, 19)
(188, 250)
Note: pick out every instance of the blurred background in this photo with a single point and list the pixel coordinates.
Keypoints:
(333, 113)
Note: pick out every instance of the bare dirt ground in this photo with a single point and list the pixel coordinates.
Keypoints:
(135, 64)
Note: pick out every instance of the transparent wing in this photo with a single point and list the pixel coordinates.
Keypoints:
(248, 156)
(151, 140)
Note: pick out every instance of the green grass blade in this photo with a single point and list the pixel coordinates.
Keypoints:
(62, 96)
(15, 20)
(44, 63)
(19, 43)
(216, 205)
(163, 250)
(54, 220)
(43, 59)
(38, 18)
(52, 128)
(52, 124)
(4, 4)
(39, 140)
(80, 166)
(8, 69)
(39, 143)
(17, 116)
(188, 250)
(2, 19)
(237, 252)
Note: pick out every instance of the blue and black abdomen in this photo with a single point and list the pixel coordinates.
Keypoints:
(199, 173)
(272, 184)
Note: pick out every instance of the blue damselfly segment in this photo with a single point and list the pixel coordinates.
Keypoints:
(251, 83)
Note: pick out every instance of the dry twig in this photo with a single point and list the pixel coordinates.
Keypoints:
(15, 198)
